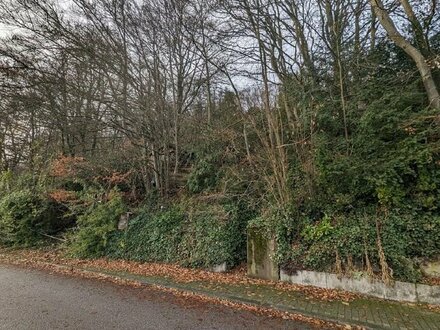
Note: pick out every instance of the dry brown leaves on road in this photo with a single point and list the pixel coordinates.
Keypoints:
(181, 274)
(54, 263)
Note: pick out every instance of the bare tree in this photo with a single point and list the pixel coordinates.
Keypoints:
(415, 53)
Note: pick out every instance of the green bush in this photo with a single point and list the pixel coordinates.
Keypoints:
(390, 173)
(95, 228)
(205, 240)
(153, 237)
(24, 217)
(6, 181)
(204, 176)
(404, 239)
(195, 236)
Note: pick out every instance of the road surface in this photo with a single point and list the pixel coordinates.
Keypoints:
(31, 299)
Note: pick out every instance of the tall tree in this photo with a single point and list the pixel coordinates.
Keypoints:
(415, 53)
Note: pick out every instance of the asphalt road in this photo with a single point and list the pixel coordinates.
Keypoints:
(36, 300)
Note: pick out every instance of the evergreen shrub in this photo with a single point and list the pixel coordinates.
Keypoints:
(24, 218)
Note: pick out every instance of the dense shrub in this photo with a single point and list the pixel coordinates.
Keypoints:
(153, 237)
(405, 242)
(205, 242)
(204, 176)
(200, 236)
(96, 226)
(382, 191)
(25, 216)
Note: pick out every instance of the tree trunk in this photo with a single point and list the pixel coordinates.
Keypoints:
(414, 53)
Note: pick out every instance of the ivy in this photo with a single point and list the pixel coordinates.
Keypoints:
(190, 234)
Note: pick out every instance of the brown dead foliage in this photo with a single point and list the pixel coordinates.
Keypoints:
(117, 177)
(431, 280)
(65, 166)
(62, 196)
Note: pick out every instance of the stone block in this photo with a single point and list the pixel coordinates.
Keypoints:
(401, 291)
(431, 268)
(372, 288)
(284, 277)
(305, 277)
(260, 253)
(124, 220)
(221, 268)
(313, 278)
(428, 294)
(336, 282)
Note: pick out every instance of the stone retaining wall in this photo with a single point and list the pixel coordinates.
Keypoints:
(400, 291)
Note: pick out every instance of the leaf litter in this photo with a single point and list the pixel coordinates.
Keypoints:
(55, 262)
